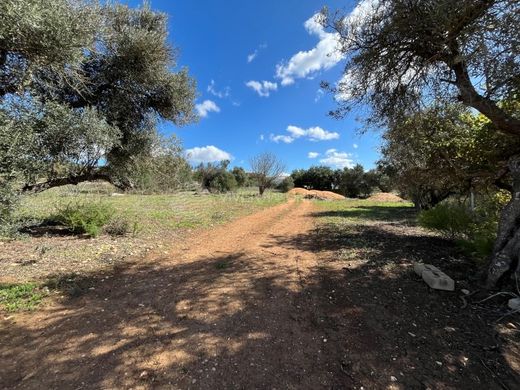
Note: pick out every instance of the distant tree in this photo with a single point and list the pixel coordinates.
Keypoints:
(82, 87)
(286, 184)
(402, 53)
(266, 168)
(240, 176)
(352, 181)
(317, 178)
(215, 177)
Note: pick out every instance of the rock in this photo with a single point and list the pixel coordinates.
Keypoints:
(419, 268)
(434, 277)
(514, 303)
(144, 375)
(464, 291)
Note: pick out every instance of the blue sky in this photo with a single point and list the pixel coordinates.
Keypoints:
(258, 67)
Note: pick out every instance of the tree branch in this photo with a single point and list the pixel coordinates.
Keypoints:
(74, 180)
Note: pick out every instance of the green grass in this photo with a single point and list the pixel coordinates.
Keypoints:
(155, 213)
(15, 297)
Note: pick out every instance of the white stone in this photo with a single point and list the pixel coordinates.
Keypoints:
(434, 277)
(514, 303)
(418, 268)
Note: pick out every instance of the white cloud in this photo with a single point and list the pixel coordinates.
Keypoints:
(207, 106)
(319, 95)
(262, 137)
(220, 94)
(207, 154)
(306, 63)
(337, 159)
(263, 88)
(312, 134)
(251, 57)
(355, 146)
(312, 154)
(287, 139)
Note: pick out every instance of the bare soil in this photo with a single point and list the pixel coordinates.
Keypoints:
(269, 301)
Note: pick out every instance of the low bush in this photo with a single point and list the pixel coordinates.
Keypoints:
(85, 217)
(120, 226)
(451, 220)
(287, 184)
(474, 230)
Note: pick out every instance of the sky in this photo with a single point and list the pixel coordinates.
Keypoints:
(258, 67)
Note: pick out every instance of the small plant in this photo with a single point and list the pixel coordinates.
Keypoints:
(451, 220)
(85, 218)
(119, 226)
(14, 297)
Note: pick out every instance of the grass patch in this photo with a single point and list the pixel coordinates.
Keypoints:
(15, 297)
(155, 213)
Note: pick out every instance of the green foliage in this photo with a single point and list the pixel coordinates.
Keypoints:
(287, 184)
(317, 178)
(164, 170)
(240, 176)
(223, 181)
(216, 177)
(83, 86)
(450, 219)
(85, 217)
(445, 150)
(14, 297)
(9, 199)
(475, 231)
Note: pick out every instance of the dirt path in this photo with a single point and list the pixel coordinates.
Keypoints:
(268, 302)
(226, 309)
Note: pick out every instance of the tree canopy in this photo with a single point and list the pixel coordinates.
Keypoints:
(82, 87)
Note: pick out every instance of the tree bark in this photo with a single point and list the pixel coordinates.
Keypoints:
(74, 180)
(506, 253)
(470, 97)
(261, 190)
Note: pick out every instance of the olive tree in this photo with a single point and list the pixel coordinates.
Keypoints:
(402, 55)
(82, 86)
(266, 168)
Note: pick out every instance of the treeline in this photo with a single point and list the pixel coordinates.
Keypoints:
(351, 182)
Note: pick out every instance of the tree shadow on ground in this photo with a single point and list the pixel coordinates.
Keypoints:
(373, 213)
(351, 322)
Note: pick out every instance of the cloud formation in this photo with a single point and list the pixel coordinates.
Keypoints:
(306, 63)
(315, 133)
(212, 89)
(251, 57)
(262, 88)
(312, 154)
(207, 154)
(337, 159)
(207, 106)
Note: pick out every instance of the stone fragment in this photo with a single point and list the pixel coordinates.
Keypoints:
(434, 277)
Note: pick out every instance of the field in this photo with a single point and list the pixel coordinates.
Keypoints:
(303, 294)
(44, 250)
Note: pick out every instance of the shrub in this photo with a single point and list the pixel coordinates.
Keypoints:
(287, 184)
(120, 226)
(85, 217)
(475, 231)
(223, 181)
(451, 220)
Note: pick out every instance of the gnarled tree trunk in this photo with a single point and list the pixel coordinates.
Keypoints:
(506, 253)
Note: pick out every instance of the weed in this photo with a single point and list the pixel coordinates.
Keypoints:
(85, 217)
(14, 297)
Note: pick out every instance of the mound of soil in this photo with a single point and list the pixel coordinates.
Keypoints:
(386, 197)
(315, 194)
